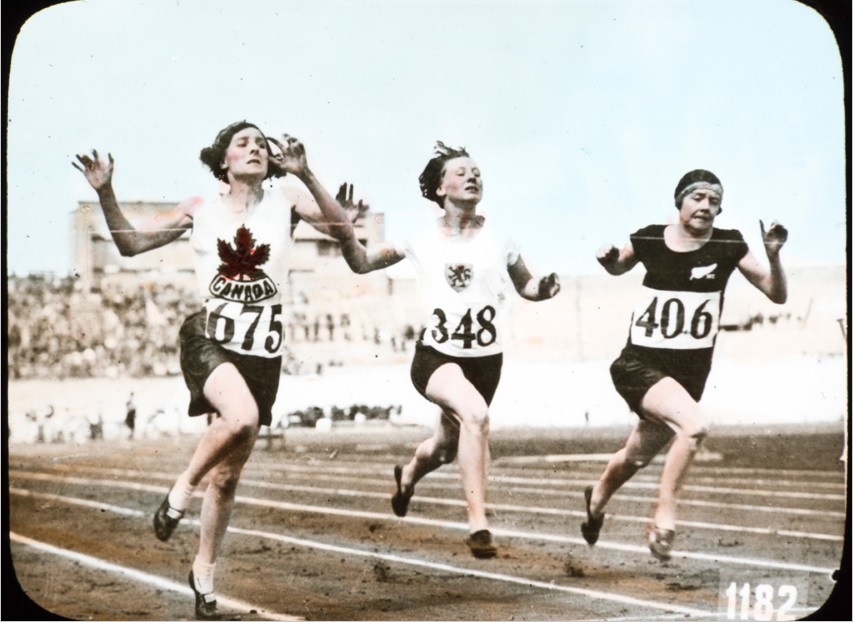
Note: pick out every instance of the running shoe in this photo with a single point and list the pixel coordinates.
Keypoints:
(660, 542)
(400, 500)
(481, 545)
(205, 604)
(164, 524)
(592, 527)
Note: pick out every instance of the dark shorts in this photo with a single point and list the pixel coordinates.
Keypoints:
(200, 356)
(484, 372)
(634, 374)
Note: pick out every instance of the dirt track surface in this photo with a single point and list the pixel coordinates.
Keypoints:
(313, 536)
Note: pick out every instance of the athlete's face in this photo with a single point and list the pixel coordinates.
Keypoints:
(699, 209)
(461, 182)
(247, 155)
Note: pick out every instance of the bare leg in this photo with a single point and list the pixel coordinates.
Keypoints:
(668, 402)
(644, 442)
(237, 424)
(219, 501)
(222, 451)
(435, 451)
(462, 403)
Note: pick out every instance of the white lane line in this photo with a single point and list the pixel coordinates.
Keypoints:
(494, 576)
(145, 578)
(522, 535)
(653, 485)
(738, 506)
(724, 471)
(552, 492)
(781, 483)
(331, 469)
(497, 507)
(97, 505)
(312, 544)
(358, 468)
(775, 477)
(644, 551)
(552, 459)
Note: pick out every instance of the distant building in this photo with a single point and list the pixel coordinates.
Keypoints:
(315, 261)
(324, 299)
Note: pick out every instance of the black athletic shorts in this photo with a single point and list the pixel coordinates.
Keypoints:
(484, 372)
(200, 356)
(635, 372)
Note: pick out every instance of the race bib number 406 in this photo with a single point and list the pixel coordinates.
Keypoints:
(245, 328)
(676, 320)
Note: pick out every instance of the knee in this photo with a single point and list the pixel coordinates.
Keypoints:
(242, 427)
(446, 452)
(225, 480)
(695, 433)
(699, 435)
(476, 420)
(640, 460)
(242, 432)
(639, 453)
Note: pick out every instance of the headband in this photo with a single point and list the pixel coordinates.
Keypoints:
(699, 185)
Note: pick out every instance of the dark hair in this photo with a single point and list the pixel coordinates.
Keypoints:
(212, 156)
(430, 179)
(694, 176)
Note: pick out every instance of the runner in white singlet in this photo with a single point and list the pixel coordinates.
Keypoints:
(231, 349)
(463, 268)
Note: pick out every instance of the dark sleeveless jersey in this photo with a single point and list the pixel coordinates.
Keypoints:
(675, 324)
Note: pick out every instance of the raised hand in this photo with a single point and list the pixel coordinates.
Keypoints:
(774, 238)
(607, 255)
(96, 171)
(291, 157)
(549, 286)
(353, 210)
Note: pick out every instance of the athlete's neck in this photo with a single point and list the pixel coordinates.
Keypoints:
(242, 197)
(460, 220)
(681, 238)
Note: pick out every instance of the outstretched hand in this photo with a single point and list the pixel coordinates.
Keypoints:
(98, 173)
(774, 238)
(291, 157)
(607, 255)
(344, 198)
(549, 286)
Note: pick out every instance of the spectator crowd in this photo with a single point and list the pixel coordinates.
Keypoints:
(57, 330)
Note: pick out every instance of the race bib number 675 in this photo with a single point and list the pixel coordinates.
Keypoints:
(676, 320)
(245, 328)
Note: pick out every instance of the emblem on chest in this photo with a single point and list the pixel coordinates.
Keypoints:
(239, 277)
(458, 275)
(703, 272)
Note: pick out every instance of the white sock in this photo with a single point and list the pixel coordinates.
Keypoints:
(203, 575)
(179, 497)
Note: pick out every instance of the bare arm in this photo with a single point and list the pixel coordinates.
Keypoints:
(154, 233)
(528, 286)
(336, 221)
(362, 260)
(306, 208)
(617, 261)
(773, 282)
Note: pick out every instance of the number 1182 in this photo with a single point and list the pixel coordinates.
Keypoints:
(742, 602)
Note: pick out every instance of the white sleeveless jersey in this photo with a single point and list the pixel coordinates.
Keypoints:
(240, 266)
(463, 285)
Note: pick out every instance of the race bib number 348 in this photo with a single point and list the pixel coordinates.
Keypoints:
(676, 320)
(245, 328)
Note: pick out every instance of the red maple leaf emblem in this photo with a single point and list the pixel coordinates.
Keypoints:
(243, 258)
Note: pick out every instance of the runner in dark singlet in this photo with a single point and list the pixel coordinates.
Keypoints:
(662, 370)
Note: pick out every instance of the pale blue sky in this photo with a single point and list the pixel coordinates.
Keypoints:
(581, 114)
